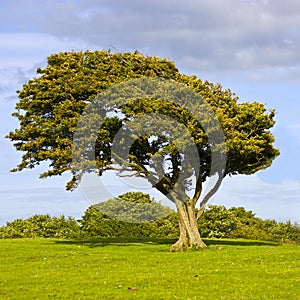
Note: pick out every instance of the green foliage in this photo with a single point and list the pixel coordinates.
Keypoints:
(167, 227)
(41, 226)
(136, 197)
(133, 207)
(51, 104)
(285, 232)
(98, 220)
(96, 224)
(217, 222)
(236, 222)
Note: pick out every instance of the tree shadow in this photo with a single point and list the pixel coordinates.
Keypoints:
(118, 241)
(123, 242)
(238, 242)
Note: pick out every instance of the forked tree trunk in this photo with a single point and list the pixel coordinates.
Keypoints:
(189, 237)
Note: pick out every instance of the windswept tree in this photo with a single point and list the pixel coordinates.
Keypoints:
(97, 100)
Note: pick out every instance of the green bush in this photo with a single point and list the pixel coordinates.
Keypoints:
(251, 227)
(133, 214)
(41, 226)
(133, 207)
(217, 222)
(167, 227)
(286, 232)
(161, 222)
(236, 222)
(96, 224)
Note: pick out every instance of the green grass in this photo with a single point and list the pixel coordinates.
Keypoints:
(144, 269)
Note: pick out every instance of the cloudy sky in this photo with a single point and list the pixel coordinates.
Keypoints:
(251, 47)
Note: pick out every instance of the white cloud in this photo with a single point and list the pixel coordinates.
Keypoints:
(24, 203)
(295, 131)
(272, 201)
(27, 50)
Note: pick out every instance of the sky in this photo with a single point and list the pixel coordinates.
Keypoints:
(250, 47)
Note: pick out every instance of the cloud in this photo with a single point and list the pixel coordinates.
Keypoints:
(270, 201)
(25, 50)
(202, 35)
(287, 165)
(11, 79)
(27, 202)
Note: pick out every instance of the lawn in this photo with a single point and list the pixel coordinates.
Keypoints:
(144, 269)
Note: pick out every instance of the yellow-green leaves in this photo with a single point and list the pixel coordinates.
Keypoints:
(51, 104)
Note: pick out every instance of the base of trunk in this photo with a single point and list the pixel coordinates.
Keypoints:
(180, 246)
(189, 238)
(185, 242)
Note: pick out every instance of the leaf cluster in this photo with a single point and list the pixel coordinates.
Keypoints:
(51, 104)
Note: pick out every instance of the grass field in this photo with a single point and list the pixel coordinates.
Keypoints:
(144, 269)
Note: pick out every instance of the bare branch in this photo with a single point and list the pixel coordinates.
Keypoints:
(210, 194)
(198, 189)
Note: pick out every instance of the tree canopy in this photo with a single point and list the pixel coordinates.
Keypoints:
(51, 106)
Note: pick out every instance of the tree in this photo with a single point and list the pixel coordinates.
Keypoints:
(53, 117)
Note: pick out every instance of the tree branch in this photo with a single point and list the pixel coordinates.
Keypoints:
(198, 189)
(210, 194)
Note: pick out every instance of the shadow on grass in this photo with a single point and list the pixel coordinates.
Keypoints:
(121, 241)
(118, 241)
(237, 242)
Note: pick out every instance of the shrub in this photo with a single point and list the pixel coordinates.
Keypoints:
(118, 218)
(251, 227)
(217, 222)
(286, 232)
(133, 207)
(96, 224)
(41, 226)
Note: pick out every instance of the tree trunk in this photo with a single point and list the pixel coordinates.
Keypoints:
(189, 237)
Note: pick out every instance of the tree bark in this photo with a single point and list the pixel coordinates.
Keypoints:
(189, 237)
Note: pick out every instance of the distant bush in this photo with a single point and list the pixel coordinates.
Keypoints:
(133, 207)
(217, 222)
(41, 226)
(94, 223)
(159, 221)
(286, 232)
(118, 218)
(236, 222)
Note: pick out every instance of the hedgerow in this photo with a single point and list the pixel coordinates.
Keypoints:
(102, 220)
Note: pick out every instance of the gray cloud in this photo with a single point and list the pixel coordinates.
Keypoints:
(11, 79)
(207, 35)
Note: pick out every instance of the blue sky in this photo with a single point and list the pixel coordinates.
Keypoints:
(251, 47)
